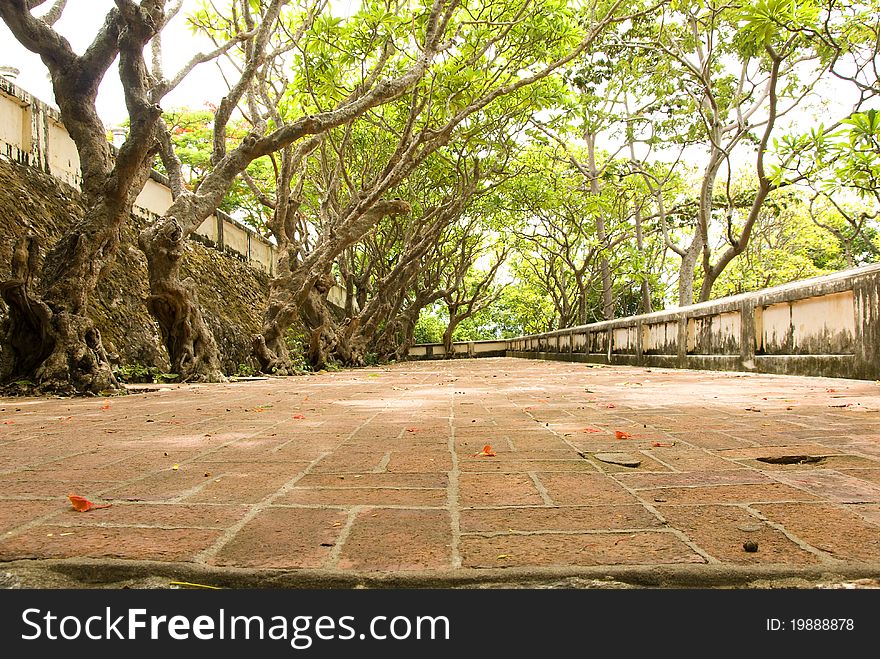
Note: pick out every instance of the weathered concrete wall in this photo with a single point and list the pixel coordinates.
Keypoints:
(827, 326)
(462, 349)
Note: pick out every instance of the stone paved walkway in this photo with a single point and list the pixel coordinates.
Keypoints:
(379, 476)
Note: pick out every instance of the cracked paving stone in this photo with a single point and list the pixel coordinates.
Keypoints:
(623, 459)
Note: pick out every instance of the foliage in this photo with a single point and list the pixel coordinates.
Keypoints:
(429, 328)
(192, 133)
(295, 339)
(786, 246)
(138, 373)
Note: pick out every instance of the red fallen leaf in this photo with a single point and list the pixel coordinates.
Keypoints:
(84, 505)
(622, 435)
(9, 423)
(298, 416)
(105, 406)
(663, 444)
(592, 430)
(487, 451)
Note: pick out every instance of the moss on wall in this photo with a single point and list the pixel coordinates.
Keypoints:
(232, 294)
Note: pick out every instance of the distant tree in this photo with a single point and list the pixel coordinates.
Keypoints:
(785, 246)
(737, 69)
(840, 166)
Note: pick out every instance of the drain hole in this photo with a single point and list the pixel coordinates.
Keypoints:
(792, 459)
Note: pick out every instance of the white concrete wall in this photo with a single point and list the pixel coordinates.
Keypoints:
(62, 154)
(155, 198)
(13, 119)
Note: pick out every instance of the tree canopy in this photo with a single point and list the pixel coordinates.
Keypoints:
(464, 169)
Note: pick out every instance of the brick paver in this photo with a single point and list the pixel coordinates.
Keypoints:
(379, 473)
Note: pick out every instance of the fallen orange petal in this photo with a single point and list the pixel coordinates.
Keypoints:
(487, 451)
(621, 435)
(298, 416)
(592, 430)
(84, 505)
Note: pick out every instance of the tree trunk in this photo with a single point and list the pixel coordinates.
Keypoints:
(58, 351)
(269, 347)
(401, 352)
(52, 344)
(291, 298)
(687, 270)
(448, 345)
(326, 339)
(302, 294)
(174, 304)
(601, 235)
(645, 287)
(699, 245)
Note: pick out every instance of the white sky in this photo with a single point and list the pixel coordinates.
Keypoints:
(80, 22)
(83, 17)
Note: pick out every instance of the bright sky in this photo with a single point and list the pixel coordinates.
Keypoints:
(79, 24)
(83, 17)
